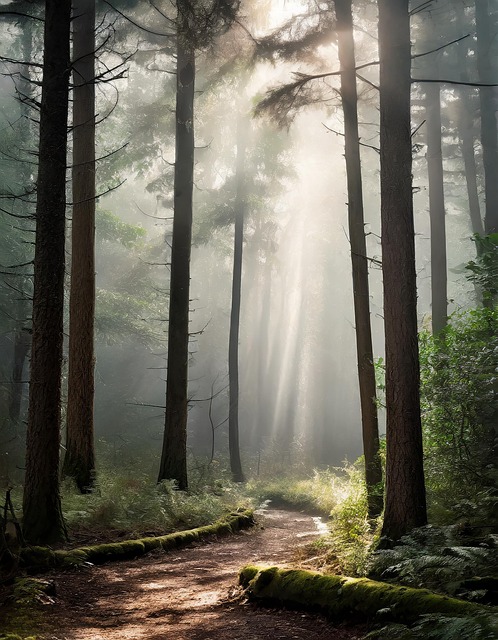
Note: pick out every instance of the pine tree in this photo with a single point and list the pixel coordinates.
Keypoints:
(361, 293)
(42, 516)
(79, 460)
(405, 503)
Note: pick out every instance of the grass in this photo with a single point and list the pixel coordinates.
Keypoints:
(128, 503)
(340, 495)
(132, 504)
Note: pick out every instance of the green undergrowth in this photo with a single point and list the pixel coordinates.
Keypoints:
(129, 502)
(43, 558)
(340, 495)
(344, 597)
(452, 560)
(318, 492)
(24, 608)
(483, 626)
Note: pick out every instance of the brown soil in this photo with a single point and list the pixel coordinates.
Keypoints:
(190, 594)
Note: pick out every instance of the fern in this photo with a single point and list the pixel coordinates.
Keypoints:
(431, 557)
(437, 627)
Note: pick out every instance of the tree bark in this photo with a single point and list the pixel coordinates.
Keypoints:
(405, 503)
(79, 460)
(437, 212)
(233, 343)
(485, 20)
(42, 516)
(174, 453)
(361, 294)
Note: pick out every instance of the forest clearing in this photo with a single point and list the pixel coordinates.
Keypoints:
(249, 256)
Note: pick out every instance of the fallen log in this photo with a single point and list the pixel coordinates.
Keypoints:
(341, 597)
(42, 558)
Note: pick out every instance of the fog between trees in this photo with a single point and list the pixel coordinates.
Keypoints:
(298, 399)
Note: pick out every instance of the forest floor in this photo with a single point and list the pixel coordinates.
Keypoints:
(189, 594)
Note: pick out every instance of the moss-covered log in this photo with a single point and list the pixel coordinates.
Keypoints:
(41, 558)
(341, 597)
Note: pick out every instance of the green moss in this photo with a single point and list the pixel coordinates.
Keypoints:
(41, 558)
(23, 609)
(113, 551)
(74, 558)
(29, 590)
(151, 543)
(342, 597)
(247, 573)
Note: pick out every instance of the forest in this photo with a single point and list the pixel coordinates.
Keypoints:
(248, 319)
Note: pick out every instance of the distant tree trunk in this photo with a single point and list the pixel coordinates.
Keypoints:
(466, 133)
(174, 454)
(79, 461)
(485, 28)
(42, 516)
(22, 337)
(233, 343)
(405, 504)
(469, 159)
(290, 375)
(22, 344)
(361, 295)
(439, 281)
(263, 426)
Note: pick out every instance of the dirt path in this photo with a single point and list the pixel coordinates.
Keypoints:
(188, 594)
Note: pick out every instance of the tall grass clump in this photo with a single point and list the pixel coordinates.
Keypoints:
(338, 493)
(318, 492)
(129, 502)
(352, 533)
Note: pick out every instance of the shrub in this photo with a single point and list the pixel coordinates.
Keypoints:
(459, 405)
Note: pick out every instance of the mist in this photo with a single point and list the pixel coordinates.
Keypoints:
(298, 394)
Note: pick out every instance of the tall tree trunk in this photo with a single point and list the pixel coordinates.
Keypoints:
(485, 20)
(174, 453)
(233, 343)
(405, 504)
(42, 520)
(361, 294)
(439, 281)
(79, 461)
